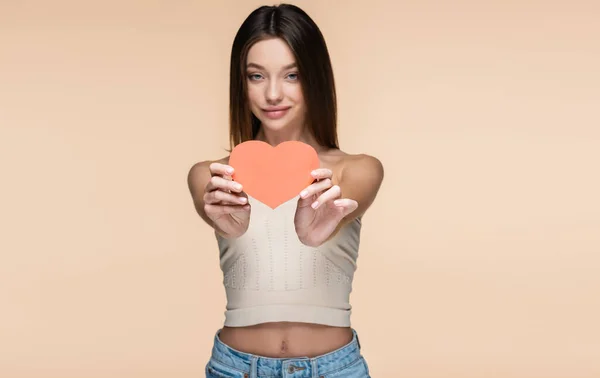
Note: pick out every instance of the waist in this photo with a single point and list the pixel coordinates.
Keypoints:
(285, 339)
(228, 360)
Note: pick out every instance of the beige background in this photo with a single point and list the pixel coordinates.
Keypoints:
(480, 257)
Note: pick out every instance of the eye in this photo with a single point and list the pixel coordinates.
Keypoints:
(293, 76)
(255, 77)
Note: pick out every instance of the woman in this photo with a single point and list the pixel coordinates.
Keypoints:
(287, 271)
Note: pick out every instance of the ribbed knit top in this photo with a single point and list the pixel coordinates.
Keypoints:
(270, 275)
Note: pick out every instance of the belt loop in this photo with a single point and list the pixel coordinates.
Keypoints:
(357, 340)
(254, 367)
(315, 368)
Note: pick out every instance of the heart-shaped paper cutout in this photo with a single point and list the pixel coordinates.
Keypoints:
(273, 175)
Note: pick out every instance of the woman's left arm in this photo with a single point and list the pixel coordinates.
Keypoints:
(360, 180)
(324, 208)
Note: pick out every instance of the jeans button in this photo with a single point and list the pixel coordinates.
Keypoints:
(290, 369)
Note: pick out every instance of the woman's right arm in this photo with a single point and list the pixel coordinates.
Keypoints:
(220, 201)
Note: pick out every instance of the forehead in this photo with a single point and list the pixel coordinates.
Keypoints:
(272, 53)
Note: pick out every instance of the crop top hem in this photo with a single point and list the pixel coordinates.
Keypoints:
(287, 312)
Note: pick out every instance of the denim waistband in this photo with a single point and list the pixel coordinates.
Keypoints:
(296, 367)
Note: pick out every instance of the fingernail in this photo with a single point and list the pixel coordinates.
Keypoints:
(229, 170)
(243, 199)
(315, 204)
(337, 202)
(303, 193)
(237, 186)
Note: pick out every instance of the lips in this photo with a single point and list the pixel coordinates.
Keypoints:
(276, 112)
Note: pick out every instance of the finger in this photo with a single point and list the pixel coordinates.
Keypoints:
(217, 182)
(220, 169)
(348, 204)
(219, 196)
(316, 187)
(224, 209)
(321, 173)
(333, 193)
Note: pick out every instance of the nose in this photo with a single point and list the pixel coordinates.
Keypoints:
(274, 93)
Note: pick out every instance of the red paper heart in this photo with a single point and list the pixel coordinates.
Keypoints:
(273, 175)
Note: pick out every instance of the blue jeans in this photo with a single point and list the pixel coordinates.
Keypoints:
(347, 362)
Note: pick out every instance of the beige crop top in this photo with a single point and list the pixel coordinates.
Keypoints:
(270, 276)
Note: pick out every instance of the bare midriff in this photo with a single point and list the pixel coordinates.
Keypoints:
(286, 339)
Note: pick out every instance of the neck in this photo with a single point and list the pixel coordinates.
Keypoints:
(299, 134)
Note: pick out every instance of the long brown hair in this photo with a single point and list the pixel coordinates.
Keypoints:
(304, 38)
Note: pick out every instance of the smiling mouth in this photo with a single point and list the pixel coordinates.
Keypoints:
(276, 109)
(275, 113)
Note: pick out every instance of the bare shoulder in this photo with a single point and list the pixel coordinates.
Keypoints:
(353, 166)
(363, 168)
(361, 161)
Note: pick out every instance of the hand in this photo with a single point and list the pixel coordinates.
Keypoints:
(320, 209)
(225, 203)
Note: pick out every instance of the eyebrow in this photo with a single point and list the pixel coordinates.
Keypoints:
(255, 65)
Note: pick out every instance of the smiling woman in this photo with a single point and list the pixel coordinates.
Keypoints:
(280, 61)
(287, 270)
(274, 92)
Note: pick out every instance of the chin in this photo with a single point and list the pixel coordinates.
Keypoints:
(274, 124)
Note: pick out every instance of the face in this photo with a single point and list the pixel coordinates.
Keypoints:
(274, 91)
